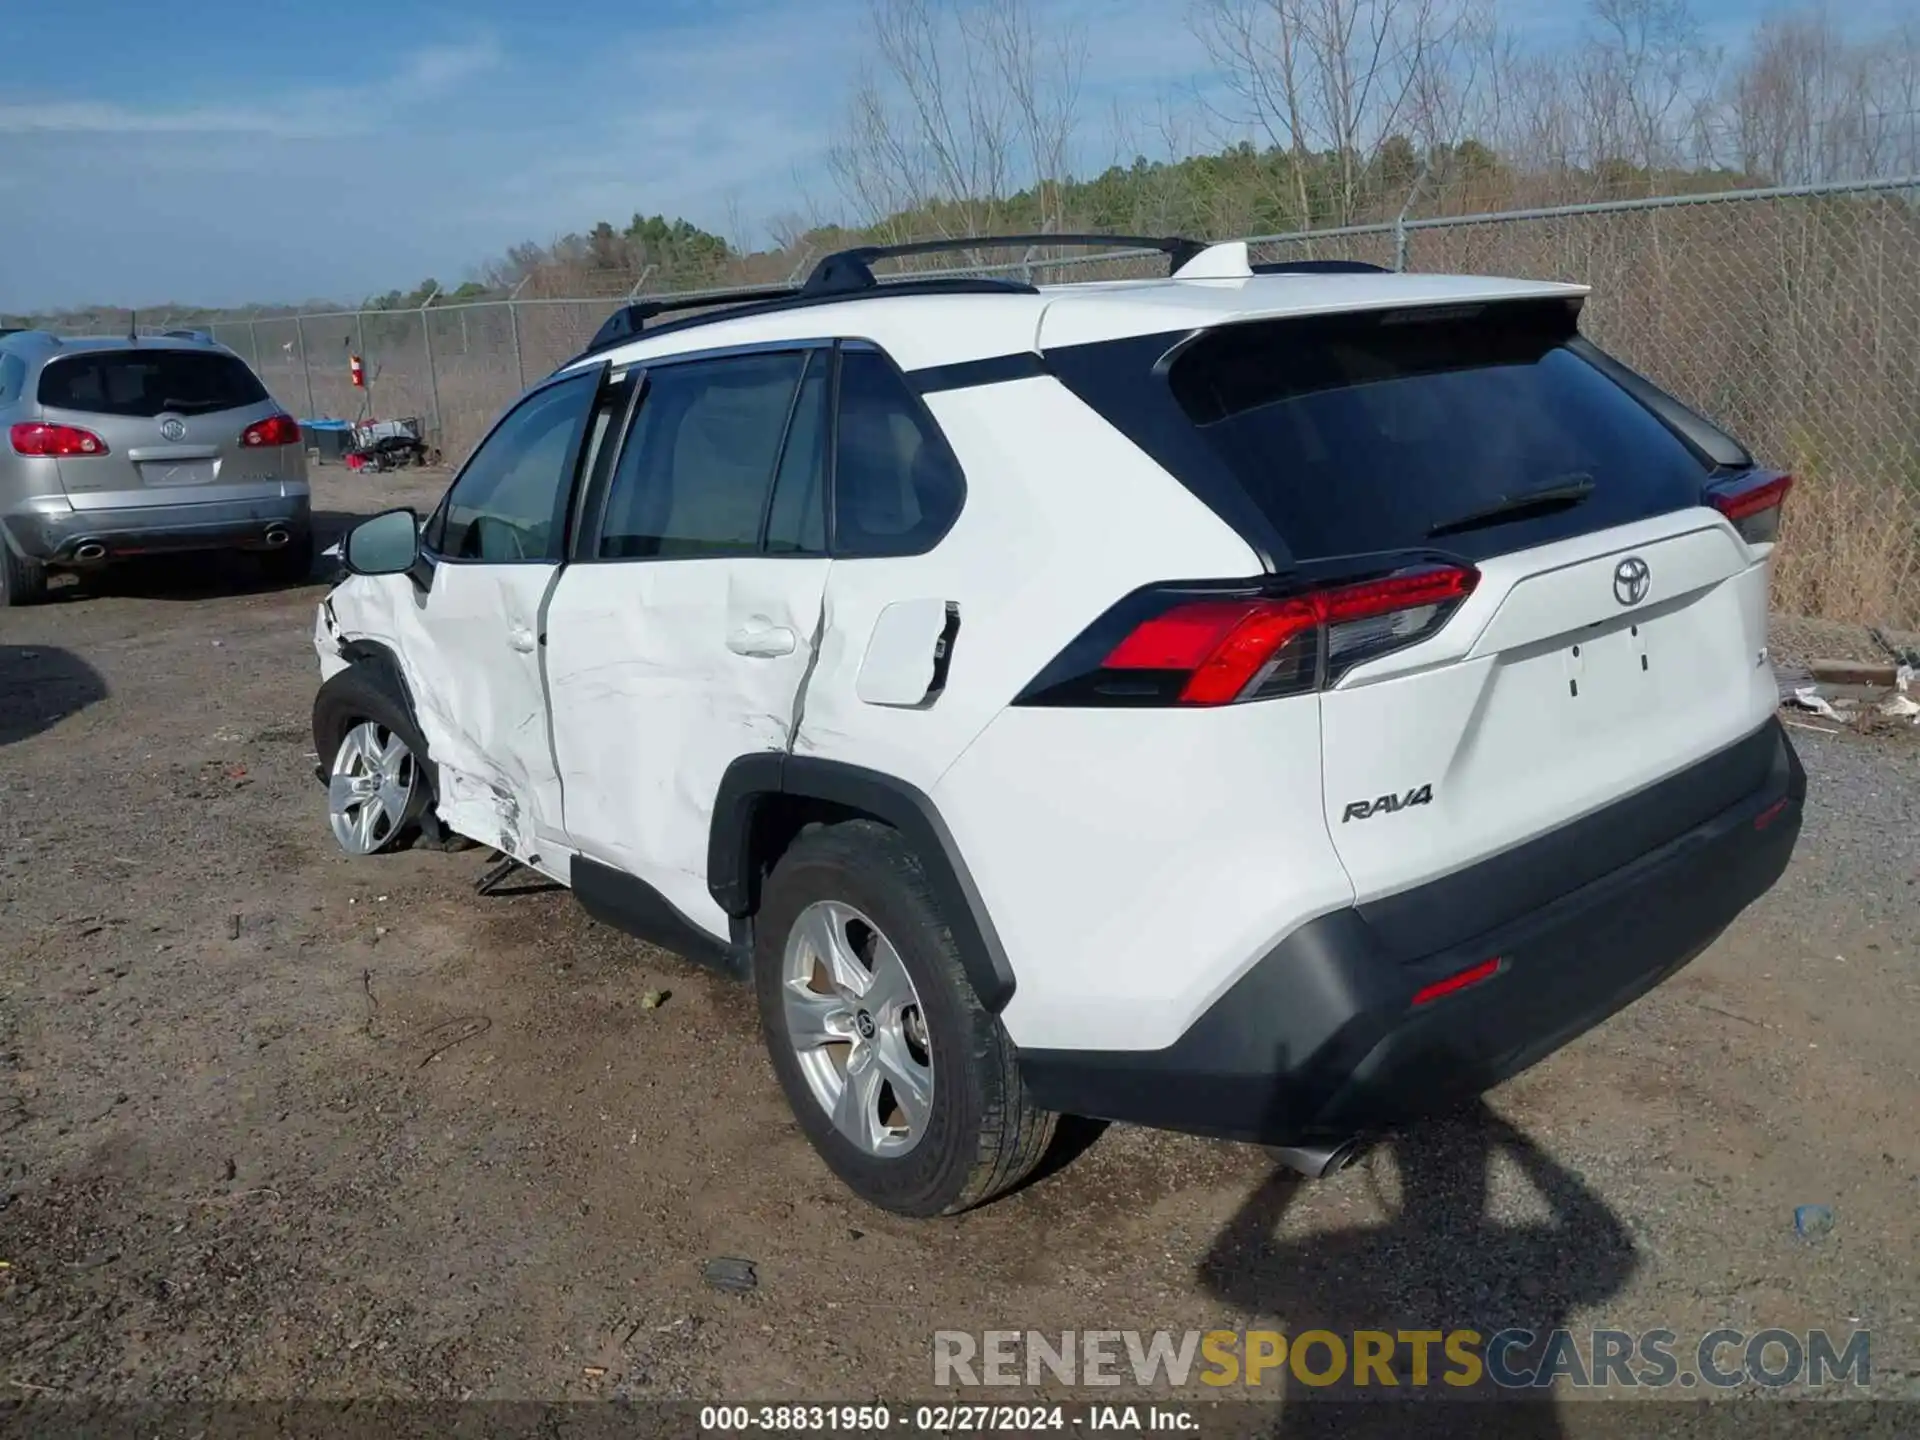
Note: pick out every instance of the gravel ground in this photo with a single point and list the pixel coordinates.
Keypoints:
(275, 1123)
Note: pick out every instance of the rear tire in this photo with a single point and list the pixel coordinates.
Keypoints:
(979, 1134)
(22, 581)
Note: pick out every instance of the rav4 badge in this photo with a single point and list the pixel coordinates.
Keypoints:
(1387, 804)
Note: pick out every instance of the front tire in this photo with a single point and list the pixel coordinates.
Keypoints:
(899, 1077)
(378, 782)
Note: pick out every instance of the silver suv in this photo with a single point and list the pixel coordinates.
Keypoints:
(115, 448)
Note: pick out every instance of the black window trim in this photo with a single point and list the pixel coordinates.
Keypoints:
(780, 460)
(563, 498)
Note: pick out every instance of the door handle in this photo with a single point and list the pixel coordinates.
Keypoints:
(521, 639)
(766, 643)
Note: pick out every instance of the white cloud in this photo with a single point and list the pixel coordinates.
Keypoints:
(101, 117)
(317, 112)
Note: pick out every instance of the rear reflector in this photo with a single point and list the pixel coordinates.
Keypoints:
(61, 441)
(274, 430)
(1257, 648)
(1485, 970)
(1772, 813)
(1752, 503)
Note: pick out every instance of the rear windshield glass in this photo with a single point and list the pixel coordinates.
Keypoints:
(1407, 429)
(149, 382)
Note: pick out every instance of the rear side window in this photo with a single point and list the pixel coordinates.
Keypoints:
(149, 382)
(896, 485)
(1411, 429)
(13, 376)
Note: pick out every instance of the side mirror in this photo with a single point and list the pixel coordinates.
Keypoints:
(388, 544)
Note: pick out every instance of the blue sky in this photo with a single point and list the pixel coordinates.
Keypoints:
(221, 151)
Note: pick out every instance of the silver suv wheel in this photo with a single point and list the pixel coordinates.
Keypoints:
(369, 788)
(856, 1026)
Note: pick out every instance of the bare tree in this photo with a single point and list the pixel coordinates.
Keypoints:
(1340, 78)
(965, 102)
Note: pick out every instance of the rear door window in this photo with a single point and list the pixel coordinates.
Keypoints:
(694, 477)
(149, 382)
(1411, 429)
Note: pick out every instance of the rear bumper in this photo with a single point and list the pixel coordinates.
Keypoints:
(1321, 1039)
(54, 531)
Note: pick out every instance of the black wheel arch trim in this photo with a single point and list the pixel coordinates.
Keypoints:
(733, 877)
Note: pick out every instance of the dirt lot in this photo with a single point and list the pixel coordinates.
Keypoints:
(275, 1122)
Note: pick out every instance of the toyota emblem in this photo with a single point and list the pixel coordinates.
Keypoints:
(172, 430)
(1631, 580)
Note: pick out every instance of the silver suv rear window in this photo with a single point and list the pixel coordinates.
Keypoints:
(149, 382)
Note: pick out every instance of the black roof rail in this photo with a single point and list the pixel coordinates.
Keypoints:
(629, 322)
(848, 275)
(1320, 267)
(848, 272)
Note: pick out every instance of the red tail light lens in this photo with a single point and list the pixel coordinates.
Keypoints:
(274, 430)
(1190, 650)
(61, 441)
(1752, 502)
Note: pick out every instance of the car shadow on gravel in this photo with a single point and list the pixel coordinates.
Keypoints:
(1443, 1262)
(41, 685)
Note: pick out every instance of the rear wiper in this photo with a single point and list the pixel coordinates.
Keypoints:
(1563, 495)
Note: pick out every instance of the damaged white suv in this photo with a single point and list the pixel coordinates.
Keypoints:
(1267, 702)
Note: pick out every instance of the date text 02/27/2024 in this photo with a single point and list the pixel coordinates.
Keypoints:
(943, 1419)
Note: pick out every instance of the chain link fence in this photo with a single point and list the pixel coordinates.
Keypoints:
(1791, 316)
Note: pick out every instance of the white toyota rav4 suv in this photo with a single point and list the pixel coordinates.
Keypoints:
(1267, 702)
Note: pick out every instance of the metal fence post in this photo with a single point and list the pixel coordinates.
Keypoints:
(306, 367)
(253, 340)
(433, 373)
(519, 361)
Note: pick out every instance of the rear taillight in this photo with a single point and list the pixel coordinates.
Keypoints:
(1752, 502)
(274, 430)
(58, 441)
(1175, 647)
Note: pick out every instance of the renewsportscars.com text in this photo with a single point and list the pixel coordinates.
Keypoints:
(1392, 1359)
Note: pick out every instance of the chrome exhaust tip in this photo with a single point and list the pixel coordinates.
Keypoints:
(89, 550)
(277, 536)
(1319, 1162)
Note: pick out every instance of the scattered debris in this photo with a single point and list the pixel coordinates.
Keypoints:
(593, 1372)
(233, 1170)
(233, 927)
(1812, 1221)
(1808, 697)
(736, 1276)
(654, 999)
(1851, 694)
(469, 1026)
